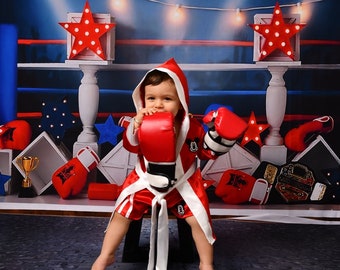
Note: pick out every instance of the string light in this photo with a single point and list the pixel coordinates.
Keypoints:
(304, 11)
(239, 17)
(119, 5)
(176, 14)
(238, 10)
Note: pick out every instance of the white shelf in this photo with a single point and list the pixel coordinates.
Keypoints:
(70, 65)
(323, 214)
(55, 203)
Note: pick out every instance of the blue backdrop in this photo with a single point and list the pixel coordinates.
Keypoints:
(310, 91)
(147, 20)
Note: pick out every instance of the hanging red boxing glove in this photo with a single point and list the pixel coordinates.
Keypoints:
(15, 135)
(157, 140)
(225, 128)
(296, 137)
(70, 179)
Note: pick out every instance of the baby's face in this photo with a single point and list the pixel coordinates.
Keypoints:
(162, 97)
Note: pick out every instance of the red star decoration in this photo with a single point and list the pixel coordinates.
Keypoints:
(253, 131)
(87, 33)
(277, 34)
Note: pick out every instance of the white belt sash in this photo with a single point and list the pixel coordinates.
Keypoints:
(160, 222)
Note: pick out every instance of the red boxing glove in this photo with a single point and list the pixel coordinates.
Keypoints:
(237, 187)
(103, 191)
(70, 179)
(15, 135)
(295, 138)
(157, 140)
(225, 128)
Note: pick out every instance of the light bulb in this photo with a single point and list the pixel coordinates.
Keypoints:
(177, 12)
(299, 8)
(238, 15)
(176, 15)
(117, 3)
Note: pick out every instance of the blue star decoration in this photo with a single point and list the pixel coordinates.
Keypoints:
(3, 180)
(57, 118)
(108, 131)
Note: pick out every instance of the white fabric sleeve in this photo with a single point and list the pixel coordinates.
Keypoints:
(131, 135)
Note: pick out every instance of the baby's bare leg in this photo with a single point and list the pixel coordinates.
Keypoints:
(114, 235)
(204, 248)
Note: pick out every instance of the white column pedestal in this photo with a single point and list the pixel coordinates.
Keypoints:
(276, 98)
(276, 154)
(88, 98)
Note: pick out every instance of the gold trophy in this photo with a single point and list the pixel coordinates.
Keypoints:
(27, 164)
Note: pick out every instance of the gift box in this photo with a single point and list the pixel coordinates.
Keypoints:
(237, 158)
(117, 164)
(320, 158)
(51, 157)
(276, 56)
(107, 41)
(6, 166)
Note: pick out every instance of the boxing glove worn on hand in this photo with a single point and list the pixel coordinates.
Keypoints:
(70, 179)
(157, 141)
(225, 128)
(15, 135)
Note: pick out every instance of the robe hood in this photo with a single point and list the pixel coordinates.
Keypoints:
(175, 72)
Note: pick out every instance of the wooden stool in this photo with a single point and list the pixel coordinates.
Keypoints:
(134, 253)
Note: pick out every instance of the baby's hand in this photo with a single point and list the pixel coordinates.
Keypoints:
(138, 119)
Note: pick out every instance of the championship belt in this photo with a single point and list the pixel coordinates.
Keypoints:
(265, 175)
(260, 191)
(296, 183)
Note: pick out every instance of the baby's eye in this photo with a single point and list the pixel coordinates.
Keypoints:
(150, 98)
(168, 98)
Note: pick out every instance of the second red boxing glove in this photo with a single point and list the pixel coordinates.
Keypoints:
(70, 179)
(15, 135)
(295, 138)
(225, 127)
(237, 187)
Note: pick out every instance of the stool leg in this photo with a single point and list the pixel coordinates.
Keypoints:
(131, 251)
(186, 242)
